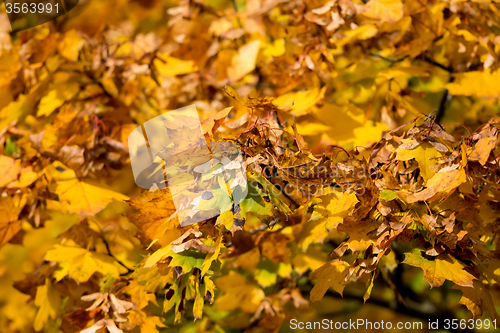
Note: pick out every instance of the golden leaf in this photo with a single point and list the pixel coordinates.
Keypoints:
(48, 300)
(79, 263)
(439, 269)
(244, 62)
(330, 275)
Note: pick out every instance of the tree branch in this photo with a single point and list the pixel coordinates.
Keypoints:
(112, 255)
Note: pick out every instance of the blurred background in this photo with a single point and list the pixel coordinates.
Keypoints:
(345, 72)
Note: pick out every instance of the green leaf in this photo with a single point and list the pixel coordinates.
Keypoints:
(255, 204)
(188, 260)
(388, 195)
(276, 197)
(220, 201)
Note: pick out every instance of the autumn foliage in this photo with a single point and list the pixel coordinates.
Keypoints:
(370, 132)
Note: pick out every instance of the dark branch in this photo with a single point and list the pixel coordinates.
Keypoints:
(112, 255)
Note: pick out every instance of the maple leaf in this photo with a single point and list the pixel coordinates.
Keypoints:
(140, 297)
(330, 275)
(483, 84)
(238, 292)
(187, 260)
(15, 110)
(10, 224)
(48, 300)
(205, 290)
(439, 186)
(360, 236)
(170, 66)
(84, 198)
(322, 82)
(384, 10)
(439, 269)
(244, 61)
(65, 88)
(211, 257)
(481, 151)
(157, 213)
(211, 124)
(10, 170)
(80, 264)
(476, 298)
(147, 323)
(70, 45)
(300, 102)
(424, 153)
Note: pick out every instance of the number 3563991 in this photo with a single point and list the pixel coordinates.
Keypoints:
(32, 7)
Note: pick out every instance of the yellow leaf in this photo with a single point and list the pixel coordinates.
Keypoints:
(211, 125)
(79, 263)
(330, 275)
(157, 216)
(363, 32)
(9, 67)
(226, 219)
(157, 256)
(148, 324)
(369, 133)
(348, 126)
(205, 291)
(211, 257)
(316, 230)
(71, 45)
(55, 98)
(9, 218)
(312, 259)
(302, 101)
(274, 49)
(481, 151)
(482, 84)
(384, 10)
(9, 170)
(15, 110)
(48, 300)
(467, 35)
(477, 298)
(170, 66)
(439, 269)
(238, 293)
(84, 198)
(342, 119)
(244, 62)
(26, 178)
(439, 186)
(359, 233)
(312, 128)
(140, 297)
(425, 154)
